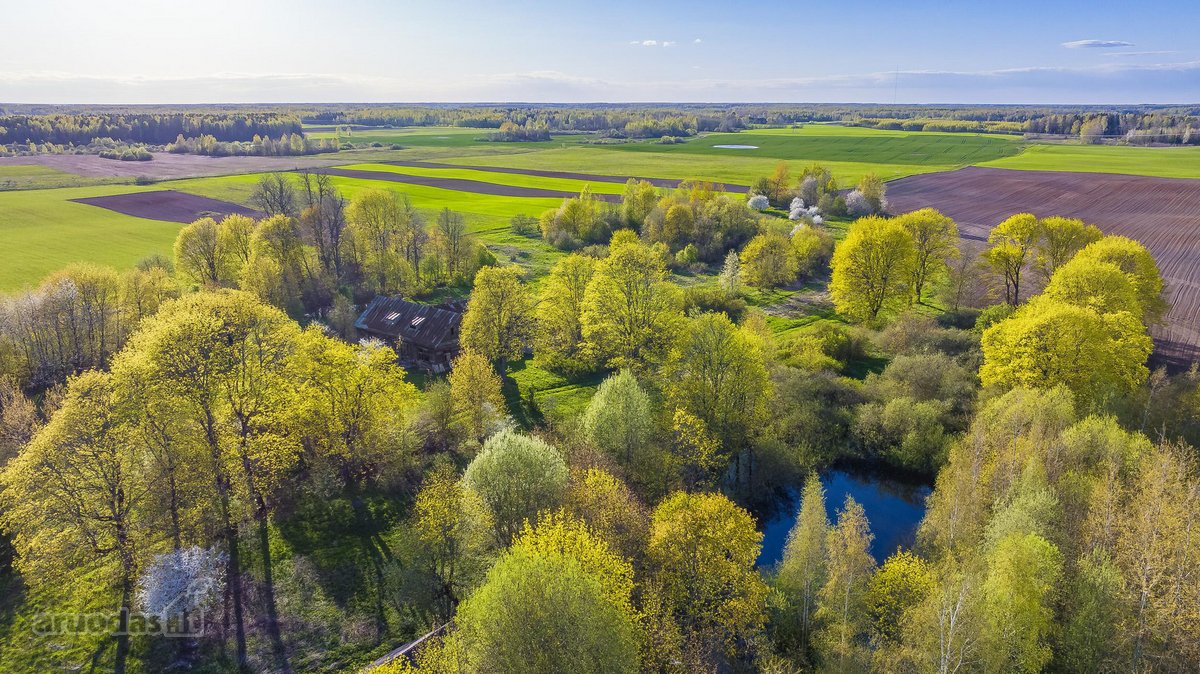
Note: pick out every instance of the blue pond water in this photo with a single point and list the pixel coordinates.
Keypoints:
(893, 507)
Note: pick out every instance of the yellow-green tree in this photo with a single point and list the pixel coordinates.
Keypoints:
(769, 261)
(872, 268)
(378, 227)
(72, 494)
(709, 581)
(354, 409)
(1011, 249)
(1060, 238)
(559, 338)
(630, 311)
(801, 572)
(1018, 603)
(455, 527)
(1097, 285)
(499, 319)
(556, 602)
(1133, 259)
(477, 403)
(199, 255)
(223, 359)
(901, 583)
(233, 235)
(718, 373)
(1096, 356)
(610, 509)
(640, 197)
(280, 265)
(842, 600)
(935, 238)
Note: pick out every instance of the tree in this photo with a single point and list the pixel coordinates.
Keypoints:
(275, 194)
(730, 279)
(872, 268)
(323, 221)
(475, 393)
(72, 493)
(356, 405)
(630, 311)
(1100, 286)
(779, 185)
(801, 572)
(611, 511)
(709, 582)
(456, 529)
(233, 235)
(1096, 356)
(200, 256)
(1018, 603)
(577, 220)
(1133, 259)
(769, 260)
(279, 270)
(717, 372)
(695, 452)
(1011, 244)
(223, 359)
(1058, 241)
(872, 189)
(842, 599)
(900, 585)
(934, 238)
(453, 242)
(499, 319)
(541, 612)
(813, 247)
(19, 419)
(559, 337)
(377, 234)
(619, 419)
(639, 198)
(518, 476)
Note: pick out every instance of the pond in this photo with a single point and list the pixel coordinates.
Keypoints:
(737, 147)
(894, 507)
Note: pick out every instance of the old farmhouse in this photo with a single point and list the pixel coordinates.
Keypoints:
(424, 336)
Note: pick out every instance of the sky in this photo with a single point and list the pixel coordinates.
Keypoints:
(916, 51)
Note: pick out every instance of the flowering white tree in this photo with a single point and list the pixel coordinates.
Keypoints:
(759, 202)
(858, 205)
(731, 273)
(181, 581)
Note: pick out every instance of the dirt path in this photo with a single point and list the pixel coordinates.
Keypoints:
(1162, 213)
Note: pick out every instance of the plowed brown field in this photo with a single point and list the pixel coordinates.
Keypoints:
(168, 205)
(1162, 213)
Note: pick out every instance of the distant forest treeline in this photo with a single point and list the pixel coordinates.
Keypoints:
(159, 125)
(158, 128)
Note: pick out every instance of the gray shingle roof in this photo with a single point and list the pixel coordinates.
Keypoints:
(425, 325)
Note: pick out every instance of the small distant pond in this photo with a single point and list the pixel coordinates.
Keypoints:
(894, 507)
(737, 147)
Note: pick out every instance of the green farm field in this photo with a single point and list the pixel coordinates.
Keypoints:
(46, 231)
(1161, 162)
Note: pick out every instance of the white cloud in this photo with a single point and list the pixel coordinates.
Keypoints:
(696, 41)
(649, 43)
(1096, 44)
(1140, 53)
(669, 43)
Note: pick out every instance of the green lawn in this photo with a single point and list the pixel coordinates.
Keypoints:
(1164, 162)
(437, 136)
